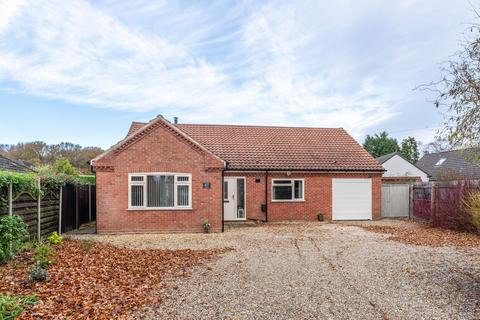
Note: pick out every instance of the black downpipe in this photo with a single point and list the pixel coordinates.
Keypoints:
(223, 220)
(266, 196)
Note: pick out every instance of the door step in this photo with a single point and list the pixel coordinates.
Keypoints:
(241, 224)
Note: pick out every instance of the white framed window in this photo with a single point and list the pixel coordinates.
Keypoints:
(440, 162)
(288, 190)
(159, 191)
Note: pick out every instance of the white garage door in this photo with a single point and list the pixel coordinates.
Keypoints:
(352, 199)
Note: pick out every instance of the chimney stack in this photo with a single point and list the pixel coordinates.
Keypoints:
(175, 120)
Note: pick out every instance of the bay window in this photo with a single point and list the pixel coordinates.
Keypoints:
(159, 191)
(287, 190)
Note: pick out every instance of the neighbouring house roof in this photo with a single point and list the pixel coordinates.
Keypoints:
(10, 165)
(385, 158)
(280, 148)
(451, 164)
(406, 164)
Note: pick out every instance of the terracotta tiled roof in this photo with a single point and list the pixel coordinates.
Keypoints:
(135, 126)
(283, 148)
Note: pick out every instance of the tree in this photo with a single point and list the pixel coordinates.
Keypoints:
(380, 144)
(409, 149)
(439, 145)
(41, 154)
(34, 152)
(458, 92)
(64, 166)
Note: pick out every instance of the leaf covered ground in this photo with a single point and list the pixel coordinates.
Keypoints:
(427, 236)
(98, 281)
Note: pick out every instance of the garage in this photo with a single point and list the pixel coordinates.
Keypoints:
(351, 199)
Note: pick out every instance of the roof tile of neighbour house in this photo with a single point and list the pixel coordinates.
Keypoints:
(279, 148)
(447, 165)
(10, 165)
(385, 158)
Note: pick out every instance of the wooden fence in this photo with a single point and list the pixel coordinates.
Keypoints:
(439, 198)
(60, 211)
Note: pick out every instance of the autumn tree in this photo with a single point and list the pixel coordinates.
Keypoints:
(440, 144)
(458, 92)
(380, 144)
(42, 154)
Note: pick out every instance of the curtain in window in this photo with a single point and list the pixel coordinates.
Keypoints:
(182, 195)
(137, 196)
(160, 191)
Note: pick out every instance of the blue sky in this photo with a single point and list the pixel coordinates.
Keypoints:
(81, 71)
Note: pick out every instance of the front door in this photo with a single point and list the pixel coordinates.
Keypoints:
(234, 198)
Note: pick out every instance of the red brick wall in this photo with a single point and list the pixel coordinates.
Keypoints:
(160, 151)
(318, 195)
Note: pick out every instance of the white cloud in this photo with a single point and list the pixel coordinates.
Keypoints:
(288, 63)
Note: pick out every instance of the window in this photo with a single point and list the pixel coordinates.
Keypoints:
(225, 191)
(160, 191)
(439, 162)
(287, 190)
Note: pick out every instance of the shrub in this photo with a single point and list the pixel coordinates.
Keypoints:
(43, 255)
(55, 238)
(38, 274)
(12, 306)
(320, 216)
(206, 226)
(471, 204)
(64, 166)
(13, 233)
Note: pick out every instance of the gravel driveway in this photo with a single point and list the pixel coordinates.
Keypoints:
(313, 270)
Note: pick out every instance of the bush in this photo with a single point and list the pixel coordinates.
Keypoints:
(64, 166)
(471, 204)
(12, 306)
(320, 216)
(13, 233)
(43, 255)
(37, 273)
(55, 238)
(206, 226)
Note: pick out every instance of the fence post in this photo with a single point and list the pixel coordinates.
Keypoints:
(432, 203)
(89, 203)
(60, 211)
(39, 214)
(76, 208)
(10, 199)
(410, 198)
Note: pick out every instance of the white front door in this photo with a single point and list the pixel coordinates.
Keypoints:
(351, 199)
(234, 198)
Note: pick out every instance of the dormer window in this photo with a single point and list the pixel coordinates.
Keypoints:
(439, 162)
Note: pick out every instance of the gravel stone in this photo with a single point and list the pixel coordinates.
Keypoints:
(311, 270)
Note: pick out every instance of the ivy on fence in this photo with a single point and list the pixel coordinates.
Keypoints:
(27, 183)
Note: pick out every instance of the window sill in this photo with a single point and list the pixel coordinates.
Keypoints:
(288, 200)
(160, 209)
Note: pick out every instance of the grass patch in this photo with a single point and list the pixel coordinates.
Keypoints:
(12, 306)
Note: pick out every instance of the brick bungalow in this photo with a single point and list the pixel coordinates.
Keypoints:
(165, 177)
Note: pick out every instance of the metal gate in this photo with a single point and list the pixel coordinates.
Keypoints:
(395, 200)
